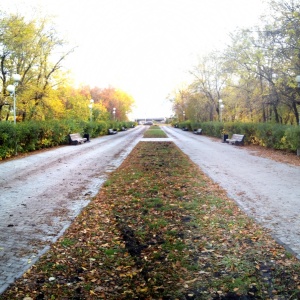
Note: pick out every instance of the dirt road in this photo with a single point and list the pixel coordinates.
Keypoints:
(42, 193)
(267, 190)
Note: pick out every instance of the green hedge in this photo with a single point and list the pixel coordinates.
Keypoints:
(34, 135)
(275, 136)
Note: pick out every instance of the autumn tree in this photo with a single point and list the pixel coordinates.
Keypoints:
(285, 15)
(27, 48)
(255, 74)
(266, 60)
(113, 98)
(179, 99)
(210, 78)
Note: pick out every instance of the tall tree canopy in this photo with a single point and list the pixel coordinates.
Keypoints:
(113, 98)
(254, 75)
(33, 49)
(27, 48)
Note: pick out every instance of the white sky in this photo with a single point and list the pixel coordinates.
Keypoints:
(144, 47)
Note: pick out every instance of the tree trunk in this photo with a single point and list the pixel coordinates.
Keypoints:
(276, 113)
(296, 113)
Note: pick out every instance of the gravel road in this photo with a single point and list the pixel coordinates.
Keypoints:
(266, 190)
(42, 193)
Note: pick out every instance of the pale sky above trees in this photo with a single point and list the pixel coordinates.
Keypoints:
(144, 47)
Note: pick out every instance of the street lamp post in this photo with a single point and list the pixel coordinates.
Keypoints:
(114, 113)
(298, 86)
(91, 109)
(12, 90)
(221, 106)
(183, 115)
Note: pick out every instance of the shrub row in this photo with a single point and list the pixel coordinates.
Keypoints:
(275, 136)
(29, 136)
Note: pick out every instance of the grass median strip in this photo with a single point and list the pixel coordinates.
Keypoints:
(160, 229)
(155, 131)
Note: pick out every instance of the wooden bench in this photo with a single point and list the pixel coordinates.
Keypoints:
(197, 131)
(112, 131)
(76, 138)
(236, 139)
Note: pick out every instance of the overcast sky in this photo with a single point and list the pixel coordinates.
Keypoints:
(144, 47)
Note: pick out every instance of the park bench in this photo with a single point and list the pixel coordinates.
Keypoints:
(236, 139)
(185, 129)
(112, 131)
(76, 138)
(197, 131)
(124, 128)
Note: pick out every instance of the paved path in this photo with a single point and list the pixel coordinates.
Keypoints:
(42, 193)
(266, 190)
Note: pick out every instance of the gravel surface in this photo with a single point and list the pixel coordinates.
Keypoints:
(267, 190)
(42, 193)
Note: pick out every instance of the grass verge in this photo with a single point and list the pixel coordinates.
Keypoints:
(155, 131)
(160, 229)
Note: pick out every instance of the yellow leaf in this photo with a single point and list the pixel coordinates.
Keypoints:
(193, 280)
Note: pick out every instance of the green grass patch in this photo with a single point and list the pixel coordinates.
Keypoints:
(155, 132)
(152, 233)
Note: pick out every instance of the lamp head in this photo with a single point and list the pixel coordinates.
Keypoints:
(16, 77)
(10, 88)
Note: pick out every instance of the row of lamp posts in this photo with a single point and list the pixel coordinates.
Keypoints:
(17, 78)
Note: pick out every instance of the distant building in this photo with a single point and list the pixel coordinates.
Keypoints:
(144, 120)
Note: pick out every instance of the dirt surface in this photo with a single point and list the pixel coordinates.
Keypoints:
(277, 155)
(265, 184)
(42, 193)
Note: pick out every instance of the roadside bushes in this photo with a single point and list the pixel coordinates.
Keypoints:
(7, 141)
(34, 135)
(95, 129)
(275, 136)
(292, 138)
